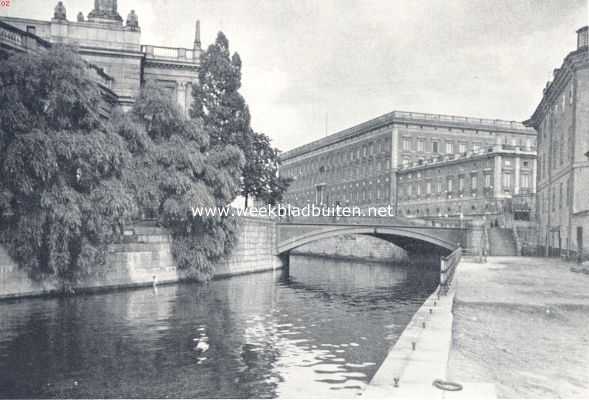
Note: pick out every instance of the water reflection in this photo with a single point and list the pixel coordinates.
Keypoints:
(321, 332)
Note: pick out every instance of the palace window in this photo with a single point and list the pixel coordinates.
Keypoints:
(462, 147)
(476, 147)
(420, 145)
(435, 147)
(473, 182)
(449, 148)
(406, 144)
(507, 181)
(449, 184)
(488, 180)
(525, 181)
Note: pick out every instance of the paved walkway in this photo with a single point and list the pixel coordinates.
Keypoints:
(523, 325)
(409, 372)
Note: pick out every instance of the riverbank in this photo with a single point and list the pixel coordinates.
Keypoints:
(522, 324)
(145, 257)
(420, 356)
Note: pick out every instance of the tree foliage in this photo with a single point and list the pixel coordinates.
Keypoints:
(62, 199)
(174, 169)
(260, 177)
(225, 116)
(70, 178)
(217, 101)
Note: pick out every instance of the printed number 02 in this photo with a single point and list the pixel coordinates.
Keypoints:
(4, 3)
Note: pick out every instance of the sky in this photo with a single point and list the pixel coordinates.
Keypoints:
(313, 67)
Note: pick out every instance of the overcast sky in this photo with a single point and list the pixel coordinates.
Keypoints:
(308, 64)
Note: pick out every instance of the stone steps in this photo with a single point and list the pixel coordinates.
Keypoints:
(502, 242)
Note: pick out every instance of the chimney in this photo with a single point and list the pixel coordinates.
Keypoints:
(583, 38)
(197, 36)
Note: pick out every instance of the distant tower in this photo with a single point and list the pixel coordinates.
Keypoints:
(196, 47)
(197, 36)
(105, 11)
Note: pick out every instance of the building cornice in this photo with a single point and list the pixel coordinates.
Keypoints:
(111, 52)
(412, 118)
(574, 61)
(168, 64)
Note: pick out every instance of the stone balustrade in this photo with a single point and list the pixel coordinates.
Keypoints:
(169, 53)
(16, 39)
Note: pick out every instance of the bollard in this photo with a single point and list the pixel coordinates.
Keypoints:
(423, 324)
(431, 311)
(435, 303)
(413, 345)
(396, 382)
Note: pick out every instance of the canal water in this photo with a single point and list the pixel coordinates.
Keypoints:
(320, 332)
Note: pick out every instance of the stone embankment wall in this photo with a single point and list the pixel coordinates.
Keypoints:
(354, 247)
(255, 250)
(146, 254)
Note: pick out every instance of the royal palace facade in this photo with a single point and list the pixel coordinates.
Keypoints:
(562, 122)
(367, 164)
(496, 183)
(112, 47)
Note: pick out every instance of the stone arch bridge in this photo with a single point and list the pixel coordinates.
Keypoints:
(413, 238)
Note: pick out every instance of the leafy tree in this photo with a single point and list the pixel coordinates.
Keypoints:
(226, 118)
(260, 174)
(60, 166)
(217, 100)
(173, 169)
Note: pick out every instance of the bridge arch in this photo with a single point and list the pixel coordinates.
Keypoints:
(402, 236)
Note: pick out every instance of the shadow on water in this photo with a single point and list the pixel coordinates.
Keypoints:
(322, 331)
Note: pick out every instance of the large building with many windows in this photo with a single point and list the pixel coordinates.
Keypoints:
(562, 122)
(113, 49)
(358, 166)
(496, 183)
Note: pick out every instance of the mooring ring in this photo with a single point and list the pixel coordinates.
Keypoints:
(447, 385)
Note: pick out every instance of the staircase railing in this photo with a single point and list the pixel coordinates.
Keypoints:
(448, 268)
